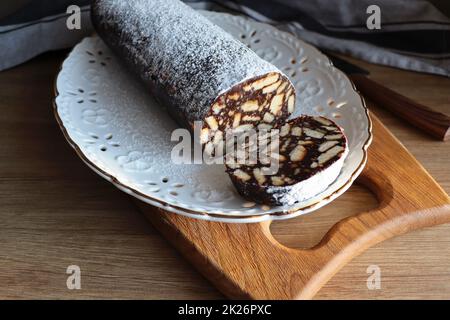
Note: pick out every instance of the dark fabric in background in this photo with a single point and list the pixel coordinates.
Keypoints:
(415, 34)
(37, 9)
(348, 21)
(37, 26)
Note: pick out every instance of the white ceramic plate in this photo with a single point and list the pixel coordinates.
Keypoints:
(121, 133)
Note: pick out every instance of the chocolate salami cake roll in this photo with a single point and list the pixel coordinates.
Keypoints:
(310, 152)
(193, 67)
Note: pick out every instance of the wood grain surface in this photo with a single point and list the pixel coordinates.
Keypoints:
(245, 262)
(55, 212)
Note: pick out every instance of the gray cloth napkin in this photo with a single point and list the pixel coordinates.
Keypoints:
(37, 27)
(414, 34)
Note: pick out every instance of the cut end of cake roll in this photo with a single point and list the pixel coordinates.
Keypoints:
(310, 153)
(259, 103)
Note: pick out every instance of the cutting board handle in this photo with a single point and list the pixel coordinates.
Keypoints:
(245, 261)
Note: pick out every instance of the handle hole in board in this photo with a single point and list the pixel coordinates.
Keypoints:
(306, 231)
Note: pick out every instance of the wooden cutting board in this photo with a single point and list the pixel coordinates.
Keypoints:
(244, 261)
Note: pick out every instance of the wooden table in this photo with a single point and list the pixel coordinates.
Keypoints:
(55, 212)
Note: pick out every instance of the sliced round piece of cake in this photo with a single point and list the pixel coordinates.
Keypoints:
(295, 162)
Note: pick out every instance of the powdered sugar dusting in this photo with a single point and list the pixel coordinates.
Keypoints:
(169, 43)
